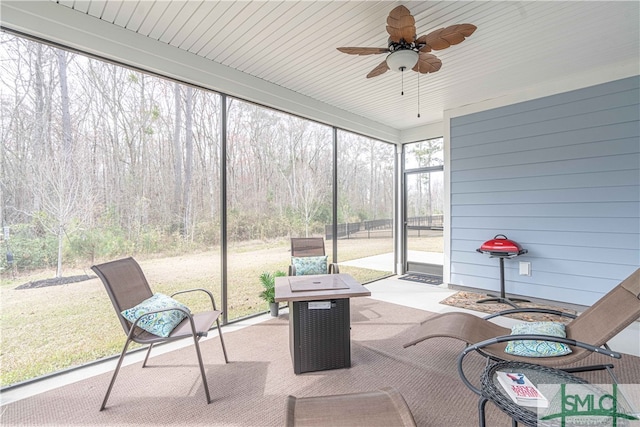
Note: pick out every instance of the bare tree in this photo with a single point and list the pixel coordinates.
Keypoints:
(313, 180)
(177, 149)
(59, 185)
(188, 162)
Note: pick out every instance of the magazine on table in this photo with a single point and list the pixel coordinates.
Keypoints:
(521, 389)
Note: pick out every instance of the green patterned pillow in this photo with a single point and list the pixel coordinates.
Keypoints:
(310, 265)
(538, 348)
(162, 323)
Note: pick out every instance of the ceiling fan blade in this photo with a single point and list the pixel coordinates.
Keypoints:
(401, 25)
(427, 63)
(363, 50)
(380, 69)
(445, 37)
(398, 12)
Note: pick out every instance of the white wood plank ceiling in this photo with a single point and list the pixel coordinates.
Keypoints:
(517, 46)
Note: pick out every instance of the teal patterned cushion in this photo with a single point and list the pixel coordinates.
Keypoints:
(162, 323)
(310, 265)
(538, 348)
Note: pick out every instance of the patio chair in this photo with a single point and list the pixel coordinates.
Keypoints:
(383, 407)
(586, 334)
(127, 288)
(311, 248)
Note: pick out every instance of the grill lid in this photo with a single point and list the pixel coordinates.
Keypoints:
(501, 246)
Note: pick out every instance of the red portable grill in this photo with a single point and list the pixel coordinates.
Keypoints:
(501, 247)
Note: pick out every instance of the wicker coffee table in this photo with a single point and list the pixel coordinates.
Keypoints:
(493, 391)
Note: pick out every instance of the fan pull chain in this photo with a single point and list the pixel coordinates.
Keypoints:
(418, 94)
(402, 81)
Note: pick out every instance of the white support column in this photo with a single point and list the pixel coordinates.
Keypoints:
(399, 226)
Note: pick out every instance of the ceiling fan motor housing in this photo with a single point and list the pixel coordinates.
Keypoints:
(403, 56)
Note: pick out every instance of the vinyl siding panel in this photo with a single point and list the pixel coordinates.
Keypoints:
(561, 176)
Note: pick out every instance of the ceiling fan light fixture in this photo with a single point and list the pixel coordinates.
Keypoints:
(402, 60)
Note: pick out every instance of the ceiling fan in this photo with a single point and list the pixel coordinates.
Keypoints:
(405, 50)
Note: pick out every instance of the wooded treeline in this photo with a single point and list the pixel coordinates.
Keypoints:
(99, 160)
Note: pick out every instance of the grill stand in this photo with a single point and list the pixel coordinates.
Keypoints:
(502, 298)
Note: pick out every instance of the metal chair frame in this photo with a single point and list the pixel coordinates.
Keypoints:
(135, 334)
(309, 246)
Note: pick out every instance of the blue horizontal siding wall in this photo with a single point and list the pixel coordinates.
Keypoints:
(560, 175)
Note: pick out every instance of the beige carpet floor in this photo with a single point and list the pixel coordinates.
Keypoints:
(251, 389)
